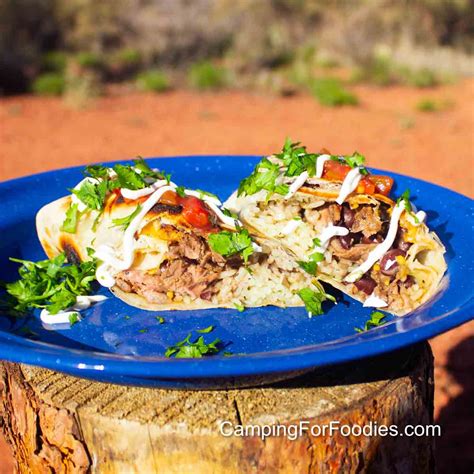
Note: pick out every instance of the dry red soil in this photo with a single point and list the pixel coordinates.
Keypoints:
(38, 134)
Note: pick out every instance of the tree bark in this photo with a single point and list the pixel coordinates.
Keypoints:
(62, 424)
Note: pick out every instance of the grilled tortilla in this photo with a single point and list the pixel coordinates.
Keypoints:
(173, 265)
(406, 275)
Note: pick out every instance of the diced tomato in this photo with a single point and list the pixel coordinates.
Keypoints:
(371, 184)
(170, 198)
(195, 212)
(383, 184)
(333, 170)
(366, 186)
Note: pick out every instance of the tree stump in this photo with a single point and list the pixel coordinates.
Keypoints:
(61, 424)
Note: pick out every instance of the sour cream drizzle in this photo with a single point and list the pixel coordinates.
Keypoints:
(374, 301)
(82, 302)
(349, 184)
(327, 234)
(320, 164)
(378, 252)
(111, 263)
(297, 183)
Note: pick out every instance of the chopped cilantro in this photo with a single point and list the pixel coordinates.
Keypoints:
(50, 284)
(376, 319)
(160, 319)
(313, 299)
(143, 331)
(317, 242)
(205, 330)
(311, 265)
(124, 222)
(229, 213)
(263, 177)
(92, 194)
(97, 171)
(146, 172)
(126, 317)
(180, 191)
(74, 318)
(239, 307)
(356, 159)
(206, 193)
(405, 197)
(70, 223)
(129, 178)
(231, 243)
(296, 159)
(193, 349)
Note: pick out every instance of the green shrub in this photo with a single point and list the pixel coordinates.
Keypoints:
(422, 78)
(433, 105)
(152, 81)
(54, 61)
(89, 60)
(206, 76)
(128, 57)
(329, 91)
(50, 83)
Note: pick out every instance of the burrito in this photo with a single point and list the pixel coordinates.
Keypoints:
(160, 246)
(341, 226)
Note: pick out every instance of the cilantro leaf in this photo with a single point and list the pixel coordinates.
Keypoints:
(263, 177)
(92, 194)
(180, 191)
(313, 299)
(129, 178)
(228, 243)
(97, 171)
(50, 284)
(194, 349)
(74, 318)
(356, 159)
(311, 265)
(145, 170)
(160, 319)
(70, 223)
(376, 319)
(124, 222)
(405, 197)
(239, 307)
(296, 159)
(205, 330)
(229, 213)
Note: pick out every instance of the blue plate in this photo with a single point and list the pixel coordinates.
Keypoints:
(120, 344)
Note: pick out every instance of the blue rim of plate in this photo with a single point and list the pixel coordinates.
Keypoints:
(19, 349)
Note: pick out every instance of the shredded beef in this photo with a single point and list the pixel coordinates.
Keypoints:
(354, 254)
(367, 221)
(190, 268)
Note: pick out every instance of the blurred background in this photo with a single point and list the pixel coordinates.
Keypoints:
(84, 81)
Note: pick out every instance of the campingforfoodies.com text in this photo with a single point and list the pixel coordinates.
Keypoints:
(293, 431)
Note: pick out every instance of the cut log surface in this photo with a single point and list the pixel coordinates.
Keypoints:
(62, 424)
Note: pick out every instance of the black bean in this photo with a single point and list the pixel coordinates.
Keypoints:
(347, 241)
(348, 216)
(373, 239)
(389, 264)
(408, 282)
(366, 284)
